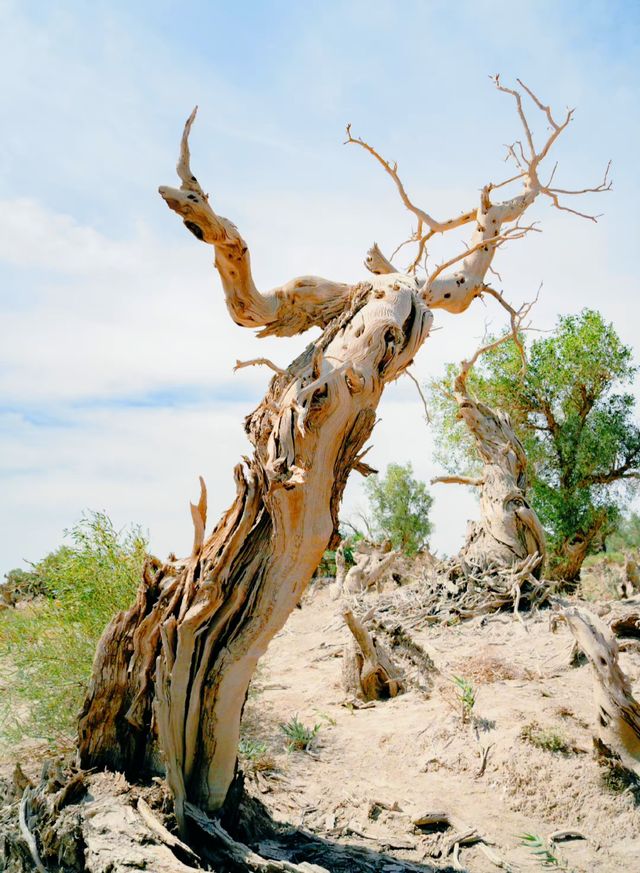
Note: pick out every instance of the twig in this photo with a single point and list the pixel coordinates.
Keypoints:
(26, 833)
(484, 757)
(260, 362)
(421, 393)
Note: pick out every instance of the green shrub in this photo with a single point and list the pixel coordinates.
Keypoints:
(299, 737)
(545, 738)
(47, 648)
(544, 852)
(466, 697)
(399, 506)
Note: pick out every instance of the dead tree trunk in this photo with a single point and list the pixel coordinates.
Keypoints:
(177, 665)
(368, 673)
(509, 531)
(170, 675)
(618, 713)
(371, 564)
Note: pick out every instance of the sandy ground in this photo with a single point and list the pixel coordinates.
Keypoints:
(372, 771)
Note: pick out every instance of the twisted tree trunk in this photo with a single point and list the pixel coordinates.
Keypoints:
(509, 531)
(171, 674)
(617, 711)
(570, 556)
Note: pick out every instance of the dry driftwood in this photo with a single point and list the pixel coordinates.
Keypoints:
(110, 828)
(618, 713)
(368, 671)
(624, 618)
(371, 563)
(450, 590)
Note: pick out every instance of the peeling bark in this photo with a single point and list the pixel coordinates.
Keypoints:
(618, 713)
(509, 530)
(171, 674)
(368, 673)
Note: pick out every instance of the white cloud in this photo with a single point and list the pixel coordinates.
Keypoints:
(105, 300)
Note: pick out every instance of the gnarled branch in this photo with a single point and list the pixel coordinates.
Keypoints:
(456, 290)
(308, 301)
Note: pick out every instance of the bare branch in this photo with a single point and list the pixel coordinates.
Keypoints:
(422, 216)
(420, 392)
(376, 262)
(259, 362)
(456, 291)
(517, 317)
(286, 310)
(458, 480)
(525, 124)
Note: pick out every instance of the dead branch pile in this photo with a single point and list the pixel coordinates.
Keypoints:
(453, 590)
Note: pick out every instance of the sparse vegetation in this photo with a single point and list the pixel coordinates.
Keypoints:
(50, 644)
(255, 754)
(544, 851)
(466, 697)
(549, 739)
(299, 737)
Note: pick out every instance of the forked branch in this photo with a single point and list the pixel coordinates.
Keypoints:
(454, 291)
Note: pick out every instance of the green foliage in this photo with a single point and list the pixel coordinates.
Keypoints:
(466, 697)
(349, 537)
(543, 851)
(548, 739)
(47, 648)
(400, 506)
(575, 423)
(253, 750)
(299, 737)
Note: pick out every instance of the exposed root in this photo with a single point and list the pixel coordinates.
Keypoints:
(454, 590)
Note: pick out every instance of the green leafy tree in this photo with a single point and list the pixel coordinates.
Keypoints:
(399, 508)
(47, 648)
(576, 425)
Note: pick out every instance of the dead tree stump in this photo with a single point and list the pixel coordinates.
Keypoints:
(368, 673)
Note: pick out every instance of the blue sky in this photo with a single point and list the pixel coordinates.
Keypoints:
(116, 351)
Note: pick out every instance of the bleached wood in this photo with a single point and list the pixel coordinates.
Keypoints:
(508, 530)
(368, 672)
(617, 711)
(495, 223)
(171, 673)
(209, 619)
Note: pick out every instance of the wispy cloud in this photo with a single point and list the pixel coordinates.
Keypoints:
(116, 350)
